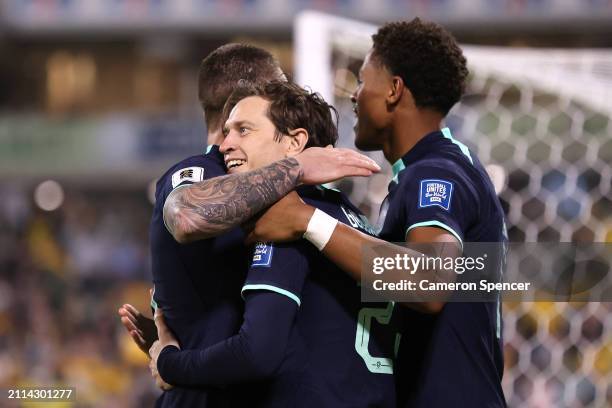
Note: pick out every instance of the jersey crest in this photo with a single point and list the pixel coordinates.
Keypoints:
(435, 192)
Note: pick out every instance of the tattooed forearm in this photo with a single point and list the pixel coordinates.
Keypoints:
(214, 206)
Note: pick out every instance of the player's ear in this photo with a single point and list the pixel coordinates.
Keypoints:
(396, 90)
(297, 140)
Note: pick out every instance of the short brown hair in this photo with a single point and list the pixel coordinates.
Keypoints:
(292, 107)
(222, 70)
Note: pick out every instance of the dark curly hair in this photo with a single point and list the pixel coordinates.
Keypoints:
(292, 107)
(427, 58)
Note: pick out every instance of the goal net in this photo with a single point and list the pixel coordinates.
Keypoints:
(539, 120)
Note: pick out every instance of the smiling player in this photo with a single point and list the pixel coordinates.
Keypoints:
(305, 329)
(198, 284)
(451, 353)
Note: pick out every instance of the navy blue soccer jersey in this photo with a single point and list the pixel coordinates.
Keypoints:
(342, 350)
(196, 284)
(454, 358)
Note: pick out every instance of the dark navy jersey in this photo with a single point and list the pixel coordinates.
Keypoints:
(454, 358)
(196, 284)
(341, 351)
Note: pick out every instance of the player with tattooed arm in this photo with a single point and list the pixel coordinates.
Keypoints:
(198, 284)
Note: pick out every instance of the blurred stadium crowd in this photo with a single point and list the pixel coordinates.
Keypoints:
(62, 276)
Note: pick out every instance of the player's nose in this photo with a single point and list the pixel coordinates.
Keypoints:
(227, 145)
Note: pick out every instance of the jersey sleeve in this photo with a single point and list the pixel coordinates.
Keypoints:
(181, 175)
(187, 172)
(438, 197)
(255, 353)
(280, 268)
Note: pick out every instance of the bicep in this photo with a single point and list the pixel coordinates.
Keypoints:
(436, 236)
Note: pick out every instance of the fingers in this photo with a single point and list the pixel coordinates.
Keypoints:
(153, 350)
(125, 312)
(159, 316)
(352, 158)
(314, 155)
(160, 323)
(138, 339)
(155, 374)
(357, 172)
(132, 310)
(129, 324)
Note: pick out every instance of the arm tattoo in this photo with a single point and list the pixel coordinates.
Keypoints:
(214, 206)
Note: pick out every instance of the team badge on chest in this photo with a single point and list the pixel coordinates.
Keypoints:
(434, 192)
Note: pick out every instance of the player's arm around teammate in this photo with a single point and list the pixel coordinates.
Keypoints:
(254, 354)
(256, 135)
(212, 207)
(291, 219)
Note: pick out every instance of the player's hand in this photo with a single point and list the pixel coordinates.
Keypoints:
(322, 165)
(141, 329)
(164, 334)
(286, 220)
(154, 351)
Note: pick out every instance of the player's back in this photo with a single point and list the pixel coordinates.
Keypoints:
(341, 350)
(196, 284)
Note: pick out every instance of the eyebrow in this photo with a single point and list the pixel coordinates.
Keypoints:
(239, 123)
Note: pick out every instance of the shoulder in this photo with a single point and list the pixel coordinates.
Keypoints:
(448, 170)
(194, 168)
(189, 170)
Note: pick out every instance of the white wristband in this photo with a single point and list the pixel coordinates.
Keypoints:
(320, 229)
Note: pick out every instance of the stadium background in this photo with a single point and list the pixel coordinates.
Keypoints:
(98, 97)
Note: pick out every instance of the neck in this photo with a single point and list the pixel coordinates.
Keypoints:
(215, 136)
(407, 130)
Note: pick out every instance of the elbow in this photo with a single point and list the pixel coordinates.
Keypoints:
(432, 308)
(185, 222)
(266, 362)
(178, 224)
(177, 227)
(181, 236)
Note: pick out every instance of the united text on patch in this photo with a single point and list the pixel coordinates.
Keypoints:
(435, 192)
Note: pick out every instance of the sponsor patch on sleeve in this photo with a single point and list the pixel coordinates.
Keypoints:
(262, 256)
(192, 174)
(434, 192)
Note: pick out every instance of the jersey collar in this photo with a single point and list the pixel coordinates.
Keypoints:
(213, 152)
(421, 148)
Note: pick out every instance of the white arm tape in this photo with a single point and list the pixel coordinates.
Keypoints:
(320, 229)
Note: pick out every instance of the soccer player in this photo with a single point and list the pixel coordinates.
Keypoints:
(450, 353)
(198, 284)
(305, 328)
